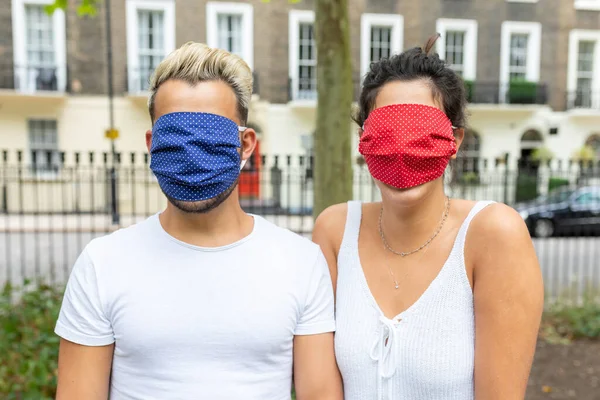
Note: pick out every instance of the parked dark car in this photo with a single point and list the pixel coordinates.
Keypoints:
(563, 212)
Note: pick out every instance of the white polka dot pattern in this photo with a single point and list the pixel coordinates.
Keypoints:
(407, 145)
(195, 155)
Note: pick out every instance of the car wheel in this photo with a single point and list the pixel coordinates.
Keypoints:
(543, 228)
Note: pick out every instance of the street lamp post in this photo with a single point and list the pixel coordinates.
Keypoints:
(111, 131)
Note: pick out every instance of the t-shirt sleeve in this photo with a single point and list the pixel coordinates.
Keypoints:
(82, 319)
(318, 315)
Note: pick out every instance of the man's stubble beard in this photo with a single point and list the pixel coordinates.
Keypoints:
(203, 206)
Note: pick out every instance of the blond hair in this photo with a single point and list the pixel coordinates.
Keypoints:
(196, 62)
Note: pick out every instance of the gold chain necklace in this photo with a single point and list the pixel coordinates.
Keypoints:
(404, 254)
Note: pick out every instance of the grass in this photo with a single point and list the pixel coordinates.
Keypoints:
(564, 322)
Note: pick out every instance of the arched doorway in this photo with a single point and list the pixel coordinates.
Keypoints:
(527, 178)
(593, 141)
(530, 141)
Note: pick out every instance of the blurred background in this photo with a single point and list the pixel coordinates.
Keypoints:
(73, 162)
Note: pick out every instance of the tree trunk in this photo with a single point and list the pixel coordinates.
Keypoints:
(333, 156)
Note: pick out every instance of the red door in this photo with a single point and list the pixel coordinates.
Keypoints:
(250, 176)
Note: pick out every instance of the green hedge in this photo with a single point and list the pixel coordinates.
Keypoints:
(527, 187)
(28, 345)
(469, 89)
(555, 183)
(522, 92)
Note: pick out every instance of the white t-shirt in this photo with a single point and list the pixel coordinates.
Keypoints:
(198, 323)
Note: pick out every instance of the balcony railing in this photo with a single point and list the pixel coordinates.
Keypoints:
(33, 78)
(506, 93)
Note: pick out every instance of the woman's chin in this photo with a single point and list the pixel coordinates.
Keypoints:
(407, 197)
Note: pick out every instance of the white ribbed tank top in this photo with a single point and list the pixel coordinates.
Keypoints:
(427, 352)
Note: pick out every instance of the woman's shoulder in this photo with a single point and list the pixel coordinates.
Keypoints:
(497, 229)
(330, 224)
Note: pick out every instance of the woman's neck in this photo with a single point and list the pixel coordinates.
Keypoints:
(406, 227)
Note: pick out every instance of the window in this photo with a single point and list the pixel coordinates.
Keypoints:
(585, 73)
(43, 144)
(590, 5)
(519, 55)
(150, 37)
(303, 56)
(381, 37)
(458, 45)
(589, 198)
(229, 26)
(39, 47)
(466, 165)
(583, 83)
(151, 46)
(381, 46)
(455, 50)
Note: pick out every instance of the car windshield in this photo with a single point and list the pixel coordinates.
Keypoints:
(557, 196)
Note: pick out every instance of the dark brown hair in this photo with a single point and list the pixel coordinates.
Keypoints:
(415, 64)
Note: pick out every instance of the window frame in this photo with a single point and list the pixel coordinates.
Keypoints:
(534, 49)
(296, 18)
(38, 169)
(470, 27)
(19, 30)
(575, 37)
(586, 5)
(133, 54)
(369, 21)
(246, 11)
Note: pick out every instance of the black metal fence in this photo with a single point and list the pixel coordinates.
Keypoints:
(52, 204)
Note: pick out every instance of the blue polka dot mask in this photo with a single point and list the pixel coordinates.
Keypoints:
(195, 155)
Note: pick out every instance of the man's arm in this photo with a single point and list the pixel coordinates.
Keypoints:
(316, 375)
(83, 371)
(87, 339)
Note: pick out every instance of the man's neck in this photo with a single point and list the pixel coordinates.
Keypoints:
(221, 226)
(406, 228)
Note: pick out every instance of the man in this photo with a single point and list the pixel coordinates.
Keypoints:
(202, 301)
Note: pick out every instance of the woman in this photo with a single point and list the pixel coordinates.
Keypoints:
(436, 298)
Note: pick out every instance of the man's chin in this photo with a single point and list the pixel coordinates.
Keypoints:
(202, 206)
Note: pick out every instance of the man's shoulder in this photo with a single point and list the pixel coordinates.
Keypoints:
(283, 238)
(123, 239)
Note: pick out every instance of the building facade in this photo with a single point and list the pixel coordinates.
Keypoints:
(532, 68)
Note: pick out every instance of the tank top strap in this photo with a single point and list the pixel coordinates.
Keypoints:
(352, 228)
(462, 233)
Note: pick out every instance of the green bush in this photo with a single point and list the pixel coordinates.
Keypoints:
(555, 183)
(527, 187)
(522, 92)
(470, 179)
(28, 345)
(567, 322)
(469, 88)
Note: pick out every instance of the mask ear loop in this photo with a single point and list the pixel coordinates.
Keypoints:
(240, 130)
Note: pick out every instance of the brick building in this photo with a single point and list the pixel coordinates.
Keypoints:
(532, 67)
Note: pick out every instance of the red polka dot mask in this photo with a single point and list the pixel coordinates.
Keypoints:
(407, 145)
